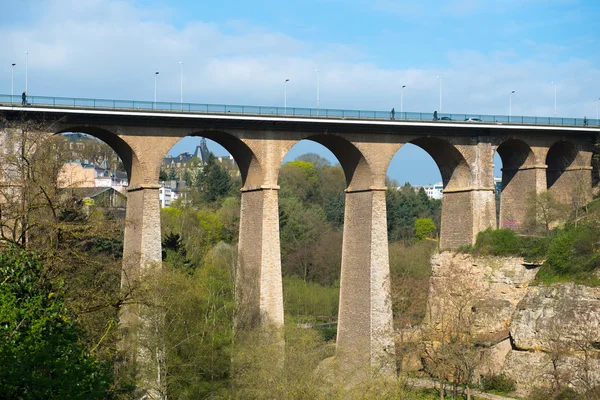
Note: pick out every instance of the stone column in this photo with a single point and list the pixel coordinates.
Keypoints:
(259, 290)
(365, 342)
(517, 186)
(572, 185)
(465, 213)
(142, 241)
(140, 326)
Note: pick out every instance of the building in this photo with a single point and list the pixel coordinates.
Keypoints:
(433, 191)
(104, 197)
(166, 195)
(79, 174)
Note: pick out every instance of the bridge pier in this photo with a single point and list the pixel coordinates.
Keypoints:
(572, 185)
(259, 290)
(465, 213)
(142, 255)
(518, 185)
(365, 342)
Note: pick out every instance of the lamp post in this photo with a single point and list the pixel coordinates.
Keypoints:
(155, 76)
(181, 83)
(12, 82)
(317, 71)
(285, 96)
(510, 105)
(554, 83)
(598, 111)
(26, 67)
(401, 99)
(440, 78)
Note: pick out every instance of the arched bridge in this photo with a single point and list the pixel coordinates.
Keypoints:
(538, 154)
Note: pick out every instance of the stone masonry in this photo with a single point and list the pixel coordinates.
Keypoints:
(464, 155)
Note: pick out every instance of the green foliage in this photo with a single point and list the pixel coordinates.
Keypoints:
(572, 255)
(410, 270)
(40, 344)
(215, 182)
(302, 298)
(498, 383)
(540, 393)
(301, 367)
(299, 179)
(404, 207)
(424, 228)
(199, 316)
(499, 242)
(335, 204)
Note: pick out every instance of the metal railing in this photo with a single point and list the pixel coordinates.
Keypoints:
(134, 105)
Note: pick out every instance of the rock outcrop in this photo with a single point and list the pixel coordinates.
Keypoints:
(536, 335)
(565, 315)
(488, 287)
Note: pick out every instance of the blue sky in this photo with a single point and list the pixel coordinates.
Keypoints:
(241, 52)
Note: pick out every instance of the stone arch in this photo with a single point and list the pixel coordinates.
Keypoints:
(250, 168)
(457, 207)
(519, 178)
(454, 168)
(356, 169)
(126, 153)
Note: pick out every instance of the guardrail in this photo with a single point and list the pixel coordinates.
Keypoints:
(134, 105)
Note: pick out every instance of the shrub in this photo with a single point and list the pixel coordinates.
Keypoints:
(572, 256)
(499, 242)
(569, 394)
(302, 298)
(424, 228)
(499, 383)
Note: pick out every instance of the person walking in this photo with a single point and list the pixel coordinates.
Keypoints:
(24, 98)
(393, 113)
(585, 121)
(435, 117)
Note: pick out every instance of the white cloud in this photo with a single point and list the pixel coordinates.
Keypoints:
(111, 49)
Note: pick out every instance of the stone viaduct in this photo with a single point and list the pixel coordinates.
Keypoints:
(535, 158)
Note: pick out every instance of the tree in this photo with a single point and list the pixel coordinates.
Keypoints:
(424, 228)
(40, 344)
(543, 211)
(163, 176)
(172, 176)
(215, 181)
(316, 160)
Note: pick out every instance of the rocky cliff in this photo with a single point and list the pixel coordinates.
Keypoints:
(537, 335)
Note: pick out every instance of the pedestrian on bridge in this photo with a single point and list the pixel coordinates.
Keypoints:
(393, 113)
(24, 98)
(435, 117)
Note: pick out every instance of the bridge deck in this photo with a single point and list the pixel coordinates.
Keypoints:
(8, 102)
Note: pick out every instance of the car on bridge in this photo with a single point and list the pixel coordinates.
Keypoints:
(473, 119)
(445, 119)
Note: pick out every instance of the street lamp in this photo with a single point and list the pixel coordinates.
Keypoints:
(285, 96)
(26, 65)
(12, 82)
(401, 99)
(181, 83)
(440, 78)
(510, 105)
(554, 83)
(317, 71)
(155, 76)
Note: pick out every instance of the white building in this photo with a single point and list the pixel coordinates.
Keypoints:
(433, 191)
(166, 196)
